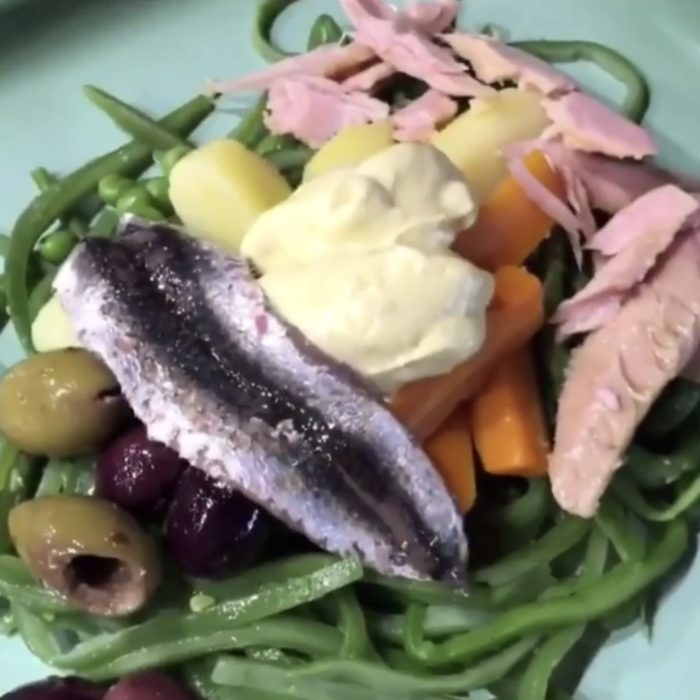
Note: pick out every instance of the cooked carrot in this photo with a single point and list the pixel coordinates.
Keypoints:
(451, 450)
(507, 420)
(510, 225)
(512, 319)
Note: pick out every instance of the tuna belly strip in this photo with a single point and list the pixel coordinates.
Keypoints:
(617, 374)
(631, 241)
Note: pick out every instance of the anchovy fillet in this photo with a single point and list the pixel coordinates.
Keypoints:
(215, 374)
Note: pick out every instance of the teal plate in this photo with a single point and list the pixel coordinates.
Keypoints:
(156, 53)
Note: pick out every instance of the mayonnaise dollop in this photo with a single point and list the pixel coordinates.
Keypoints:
(358, 259)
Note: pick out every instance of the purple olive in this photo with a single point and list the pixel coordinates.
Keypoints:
(150, 685)
(211, 529)
(137, 473)
(57, 689)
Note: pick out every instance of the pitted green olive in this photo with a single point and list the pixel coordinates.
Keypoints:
(60, 404)
(89, 550)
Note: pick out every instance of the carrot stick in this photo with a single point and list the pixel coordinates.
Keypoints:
(512, 319)
(507, 420)
(451, 450)
(510, 225)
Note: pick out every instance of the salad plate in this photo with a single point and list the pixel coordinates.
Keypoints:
(156, 54)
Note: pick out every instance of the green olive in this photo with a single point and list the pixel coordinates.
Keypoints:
(60, 404)
(89, 550)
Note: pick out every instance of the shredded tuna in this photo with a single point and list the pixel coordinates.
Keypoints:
(494, 62)
(370, 78)
(548, 203)
(578, 199)
(617, 374)
(632, 241)
(585, 124)
(426, 17)
(419, 120)
(326, 61)
(431, 17)
(295, 104)
(411, 52)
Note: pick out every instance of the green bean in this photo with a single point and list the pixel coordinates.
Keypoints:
(9, 456)
(627, 491)
(40, 295)
(555, 269)
(111, 187)
(137, 196)
(4, 244)
(251, 130)
(625, 536)
(526, 513)
(534, 684)
(657, 470)
(272, 655)
(507, 689)
(105, 224)
(8, 626)
(351, 622)
(562, 537)
(527, 588)
(596, 556)
(675, 407)
(66, 477)
(18, 585)
(636, 101)
(276, 143)
(440, 621)
(591, 601)
(325, 30)
(56, 246)
(535, 681)
(134, 122)
(370, 676)
(286, 160)
(170, 158)
(42, 178)
(274, 572)
(36, 633)
(160, 638)
(49, 206)
(267, 14)
(181, 639)
(159, 190)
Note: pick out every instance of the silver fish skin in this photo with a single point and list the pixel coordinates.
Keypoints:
(217, 375)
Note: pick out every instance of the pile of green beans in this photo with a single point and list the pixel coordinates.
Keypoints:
(312, 626)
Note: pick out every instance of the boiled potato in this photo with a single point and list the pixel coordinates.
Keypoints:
(351, 146)
(220, 189)
(52, 329)
(475, 140)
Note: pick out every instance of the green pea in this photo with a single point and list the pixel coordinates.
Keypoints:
(169, 158)
(111, 187)
(57, 246)
(158, 188)
(146, 211)
(136, 196)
